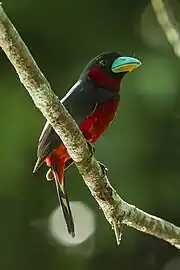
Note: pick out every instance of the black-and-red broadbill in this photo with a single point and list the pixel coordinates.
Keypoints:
(92, 102)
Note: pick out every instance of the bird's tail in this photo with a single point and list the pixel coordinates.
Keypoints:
(58, 172)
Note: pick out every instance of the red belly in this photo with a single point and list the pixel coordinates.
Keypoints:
(92, 127)
(99, 120)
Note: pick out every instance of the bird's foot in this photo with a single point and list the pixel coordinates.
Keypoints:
(91, 148)
(103, 168)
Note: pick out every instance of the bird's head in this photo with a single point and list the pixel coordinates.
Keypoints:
(107, 69)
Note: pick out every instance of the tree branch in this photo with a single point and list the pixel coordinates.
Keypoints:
(166, 24)
(116, 211)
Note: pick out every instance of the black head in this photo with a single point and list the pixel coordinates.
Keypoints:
(112, 63)
(107, 69)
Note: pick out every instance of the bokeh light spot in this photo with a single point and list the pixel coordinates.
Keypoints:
(84, 220)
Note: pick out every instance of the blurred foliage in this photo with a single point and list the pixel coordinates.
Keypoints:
(141, 149)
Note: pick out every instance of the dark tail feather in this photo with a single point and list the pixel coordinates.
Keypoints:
(64, 202)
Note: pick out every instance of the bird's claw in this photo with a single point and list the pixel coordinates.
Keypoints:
(103, 168)
(91, 147)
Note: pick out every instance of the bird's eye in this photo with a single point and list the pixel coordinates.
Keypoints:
(103, 62)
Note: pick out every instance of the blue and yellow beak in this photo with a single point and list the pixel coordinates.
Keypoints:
(125, 64)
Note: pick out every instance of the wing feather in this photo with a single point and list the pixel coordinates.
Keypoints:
(80, 103)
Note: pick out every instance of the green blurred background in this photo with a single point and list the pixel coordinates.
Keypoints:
(141, 149)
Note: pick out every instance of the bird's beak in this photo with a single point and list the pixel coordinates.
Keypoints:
(124, 64)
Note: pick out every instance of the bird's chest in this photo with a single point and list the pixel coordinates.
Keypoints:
(99, 120)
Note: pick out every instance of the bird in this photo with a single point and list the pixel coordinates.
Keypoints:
(92, 102)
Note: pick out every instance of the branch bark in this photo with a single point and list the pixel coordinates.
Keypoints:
(116, 211)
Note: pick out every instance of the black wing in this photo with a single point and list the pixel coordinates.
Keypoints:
(80, 101)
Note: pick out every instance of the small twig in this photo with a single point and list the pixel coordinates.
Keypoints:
(116, 211)
(166, 24)
(117, 231)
